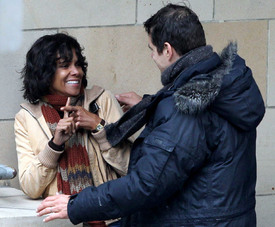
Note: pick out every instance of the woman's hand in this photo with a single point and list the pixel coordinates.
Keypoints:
(82, 117)
(65, 128)
(56, 206)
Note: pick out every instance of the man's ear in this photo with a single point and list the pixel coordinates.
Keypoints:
(168, 50)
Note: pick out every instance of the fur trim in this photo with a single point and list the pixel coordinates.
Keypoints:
(200, 91)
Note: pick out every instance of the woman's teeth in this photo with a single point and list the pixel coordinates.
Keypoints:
(73, 82)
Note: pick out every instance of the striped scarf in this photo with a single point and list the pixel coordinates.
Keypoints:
(74, 173)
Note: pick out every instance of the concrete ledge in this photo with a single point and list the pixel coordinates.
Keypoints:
(17, 210)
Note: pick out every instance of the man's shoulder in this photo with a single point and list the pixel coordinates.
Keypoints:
(166, 109)
(166, 105)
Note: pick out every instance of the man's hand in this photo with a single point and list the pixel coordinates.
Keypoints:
(128, 99)
(55, 206)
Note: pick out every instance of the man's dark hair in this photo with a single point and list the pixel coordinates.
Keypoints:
(177, 25)
(41, 61)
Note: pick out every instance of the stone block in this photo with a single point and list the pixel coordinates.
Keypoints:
(252, 44)
(18, 210)
(119, 58)
(70, 13)
(271, 66)
(265, 206)
(147, 8)
(266, 154)
(11, 65)
(244, 10)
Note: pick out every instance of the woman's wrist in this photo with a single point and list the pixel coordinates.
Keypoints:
(55, 146)
(99, 126)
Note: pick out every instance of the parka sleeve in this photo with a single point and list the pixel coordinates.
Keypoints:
(168, 155)
(34, 176)
(118, 156)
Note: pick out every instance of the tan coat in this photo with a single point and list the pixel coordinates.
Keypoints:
(37, 162)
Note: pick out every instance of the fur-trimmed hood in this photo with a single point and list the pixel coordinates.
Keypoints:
(200, 91)
(228, 89)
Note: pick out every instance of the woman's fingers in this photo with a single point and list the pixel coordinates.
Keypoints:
(66, 125)
(69, 108)
(82, 117)
(66, 113)
(75, 112)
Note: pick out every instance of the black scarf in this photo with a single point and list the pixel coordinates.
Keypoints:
(139, 114)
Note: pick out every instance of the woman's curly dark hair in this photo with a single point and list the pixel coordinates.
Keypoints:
(40, 66)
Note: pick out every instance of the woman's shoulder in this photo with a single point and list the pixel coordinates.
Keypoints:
(93, 93)
(97, 92)
(33, 109)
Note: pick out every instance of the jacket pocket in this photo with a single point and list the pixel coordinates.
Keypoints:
(160, 143)
(155, 155)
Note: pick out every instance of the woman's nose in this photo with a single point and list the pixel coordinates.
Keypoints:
(75, 70)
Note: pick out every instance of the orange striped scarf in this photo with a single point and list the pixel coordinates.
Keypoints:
(74, 173)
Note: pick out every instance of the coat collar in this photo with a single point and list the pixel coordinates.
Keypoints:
(189, 59)
(201, 90)
(91, 95)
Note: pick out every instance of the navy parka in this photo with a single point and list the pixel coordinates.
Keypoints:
(194, 164)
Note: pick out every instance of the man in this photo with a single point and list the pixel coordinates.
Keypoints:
(194, 164)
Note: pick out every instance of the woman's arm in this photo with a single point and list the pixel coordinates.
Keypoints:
(34, 176)
(118, 156)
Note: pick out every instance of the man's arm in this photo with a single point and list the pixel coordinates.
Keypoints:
(170, 153)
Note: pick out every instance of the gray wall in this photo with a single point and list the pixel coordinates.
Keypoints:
(116, 48)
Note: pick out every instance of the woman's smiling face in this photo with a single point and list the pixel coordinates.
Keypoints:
(68, 76)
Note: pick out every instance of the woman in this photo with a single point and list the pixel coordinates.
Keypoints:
(64, 150)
